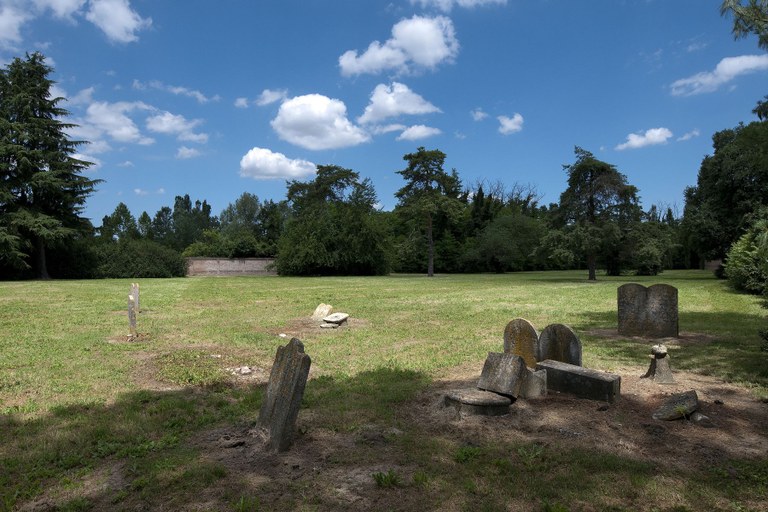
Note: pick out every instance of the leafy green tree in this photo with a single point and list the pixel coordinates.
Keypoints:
(253, 228)
(732, 184)
(746, 266)
(144, 225)
(190, 221)
(162, 226)
(428, 193)
(509, 243)
(334, 228)
(749, 18)
(42, 191)
(598, 206)
(119, 225)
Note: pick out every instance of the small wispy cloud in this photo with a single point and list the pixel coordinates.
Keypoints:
(651, 137)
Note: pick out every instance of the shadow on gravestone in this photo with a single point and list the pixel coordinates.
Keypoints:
(522, 339)
(284, 393)
(650, 312)
(558, 342)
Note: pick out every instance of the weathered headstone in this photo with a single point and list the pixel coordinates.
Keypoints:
(582, 382)
(651, 312)
(322, 310)
(680, 405)
(502, 374)
(659, 370)
(558, 342)
(132, 316)
(522, 339)
(284, 393)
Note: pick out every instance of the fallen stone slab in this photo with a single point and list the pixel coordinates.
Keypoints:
(680, 405)
(502, 374)
(580, 381)
(328, 325)
(336, 318)
(476, 402)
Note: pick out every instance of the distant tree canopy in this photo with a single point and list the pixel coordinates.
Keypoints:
(597, 210)
(749, 18)
(334, 228)
(732, 184)
(42, 191)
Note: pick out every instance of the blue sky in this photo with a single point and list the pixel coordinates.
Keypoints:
(214, 99)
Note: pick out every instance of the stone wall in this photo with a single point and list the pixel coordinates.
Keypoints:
(229, 267)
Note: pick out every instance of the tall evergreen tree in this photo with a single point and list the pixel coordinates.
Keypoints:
(42, 191)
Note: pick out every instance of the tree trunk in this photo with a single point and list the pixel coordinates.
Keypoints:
(431, 249)
(592, 266)
(42, 266)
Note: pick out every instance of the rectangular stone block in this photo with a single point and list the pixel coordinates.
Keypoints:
(580, 381)
(534, 384)
(502, 374)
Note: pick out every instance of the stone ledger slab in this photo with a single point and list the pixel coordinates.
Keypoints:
(582, 382)
(477, 402)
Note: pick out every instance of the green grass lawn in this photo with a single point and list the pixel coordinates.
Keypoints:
(78, 403)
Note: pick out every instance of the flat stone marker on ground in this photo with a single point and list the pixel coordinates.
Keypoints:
(579, 381)
(522, 339)
(678, 406)
(502, 374)
(336, 318)
(650, 312)
(284, 393)
(558, 342)
(477, 402)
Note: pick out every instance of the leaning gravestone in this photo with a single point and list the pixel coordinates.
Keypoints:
(322, 310)
(651, 312)
(284, 393)
(522, 339)
(503, 374)
(135, 293)
(558, 342)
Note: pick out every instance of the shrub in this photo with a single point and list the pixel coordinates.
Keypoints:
(139, 258)
(746, 265)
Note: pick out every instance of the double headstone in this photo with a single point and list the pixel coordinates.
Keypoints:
(557, 342)
(284, 393)
(650, 312)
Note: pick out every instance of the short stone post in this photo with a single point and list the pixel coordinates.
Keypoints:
(659, 370)
(135, 293)
(132, 316)
(284, 393)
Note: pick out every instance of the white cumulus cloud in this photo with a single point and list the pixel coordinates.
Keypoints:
(651, 137)
(269, 96)
(478, 114)
(394, 100)
(173, 124)
(509, 125)
(317, 122)
(726, 70)
(416, 43)
(418, 132)
(117, 20)
(184, 153)
(263, 164)
(111, 119)
(12, 18)
(447, 5)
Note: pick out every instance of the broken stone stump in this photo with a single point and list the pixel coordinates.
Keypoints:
(534, 384)
(321, 311)
(659, 370)
(284, 393)
(680, 405)
(132, 316)
(581, 382)
(476, 402)
(502, 374)
(558, 342)
(522, 339)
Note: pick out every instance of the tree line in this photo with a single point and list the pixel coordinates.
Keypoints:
(330, 224)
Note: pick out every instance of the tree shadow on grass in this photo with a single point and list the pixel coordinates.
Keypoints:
(194, 449)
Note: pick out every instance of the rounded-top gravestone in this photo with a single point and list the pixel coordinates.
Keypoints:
(558, 342)
(522, 339)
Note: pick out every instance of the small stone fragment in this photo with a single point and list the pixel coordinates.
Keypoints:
(701, 420)
(326, 325)
(336, 318)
